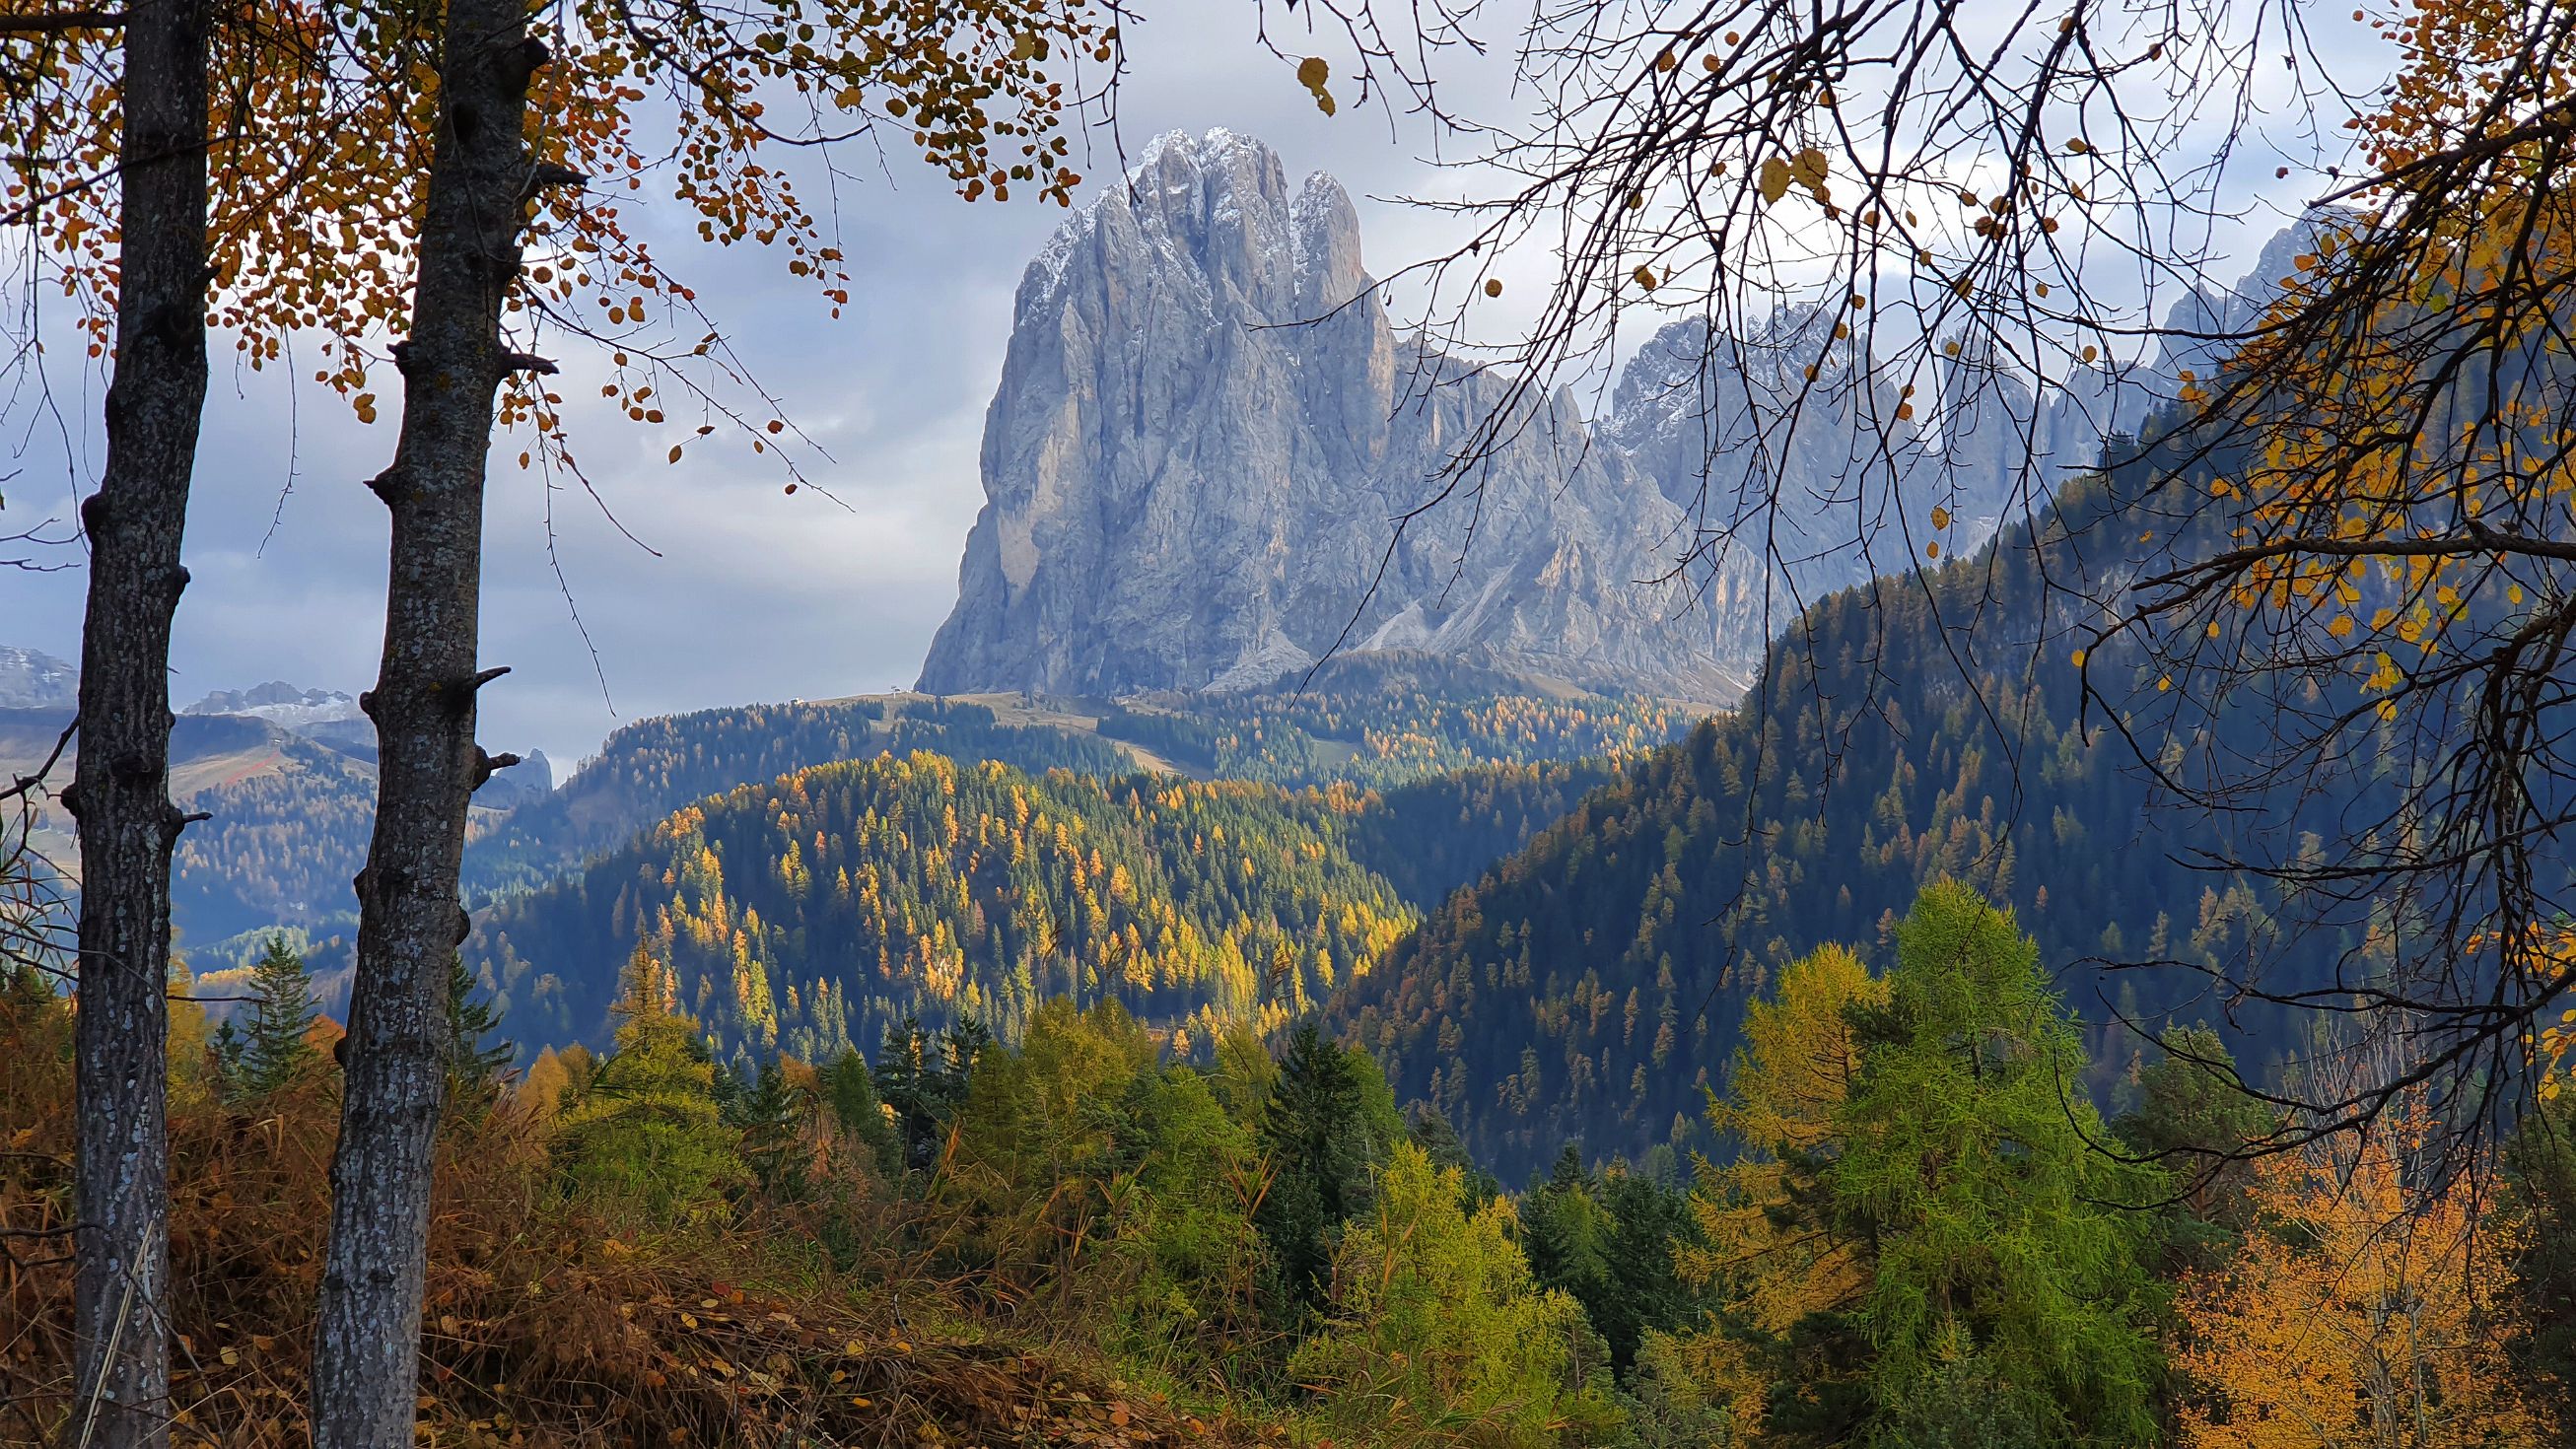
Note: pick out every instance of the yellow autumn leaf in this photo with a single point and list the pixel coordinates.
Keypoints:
(1775, 179)
(1940, 517)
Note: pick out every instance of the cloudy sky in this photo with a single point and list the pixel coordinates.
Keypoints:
(749, 593)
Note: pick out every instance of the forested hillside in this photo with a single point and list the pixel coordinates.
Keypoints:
(1394, 735)
(1592, 986)
(809, 913)
(805, 913)
(653, 767)
(287, 818)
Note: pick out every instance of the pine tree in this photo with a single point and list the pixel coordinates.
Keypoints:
(226, 1048)
(2008, 1286)
(274, 1050)
(648, 1135)
(904, 1071)
(924, 1079)
(1324, 1131)
(771, 1115)
(474, 1063)
(1435, 1313)
(2195, 1119)
(1608, 1238)
(2539, 1200)
(850, 1091)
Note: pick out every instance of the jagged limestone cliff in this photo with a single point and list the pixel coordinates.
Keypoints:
(1206, 434)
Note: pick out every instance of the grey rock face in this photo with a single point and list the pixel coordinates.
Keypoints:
(1211, 462)
(1796, 488)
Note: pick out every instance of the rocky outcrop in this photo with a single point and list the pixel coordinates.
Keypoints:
(1212, 462)
(1796, 488)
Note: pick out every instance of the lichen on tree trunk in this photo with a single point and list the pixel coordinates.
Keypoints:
(121, 784)
(366, 1343)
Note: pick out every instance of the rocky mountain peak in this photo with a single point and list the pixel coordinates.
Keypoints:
(281, 704)
(1215, 208)
(31, 679)
(1209, 460)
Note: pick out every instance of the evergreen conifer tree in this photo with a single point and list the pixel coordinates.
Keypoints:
(648, 1135)
(924, 1079)
(1323, 1134)
(850, 1090)
(770, 1113)
(474, 1061)
(274, 1050)
(2195, 1119)
(2009, 1286)
(226, 1047)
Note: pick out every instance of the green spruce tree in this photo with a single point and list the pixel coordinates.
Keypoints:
(473, 1059)
(274, 1049)
(2540, 1197)
(226, 1046)
(1324, 1131)
(648, 1136)
(770, 1113)
(850, 1092)
(2195, 1119)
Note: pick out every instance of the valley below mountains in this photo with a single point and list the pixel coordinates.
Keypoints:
(1210, 736)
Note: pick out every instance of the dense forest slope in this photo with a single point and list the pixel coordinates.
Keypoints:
(1591, 986)
(288, 816)
(284, 813)
(653, 767)
(809, 913)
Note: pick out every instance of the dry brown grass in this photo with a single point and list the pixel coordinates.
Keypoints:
(545, 1325)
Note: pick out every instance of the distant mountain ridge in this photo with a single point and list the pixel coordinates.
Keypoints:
(1206, 432)
(281, 703)
(30, 679)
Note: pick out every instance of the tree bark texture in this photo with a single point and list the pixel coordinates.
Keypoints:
(367, 1337)
(121, 784)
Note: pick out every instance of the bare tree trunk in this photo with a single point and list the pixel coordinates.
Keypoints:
(121, 787)
(367, 1340)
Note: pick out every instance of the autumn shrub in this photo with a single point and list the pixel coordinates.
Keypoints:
(549, 1320)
